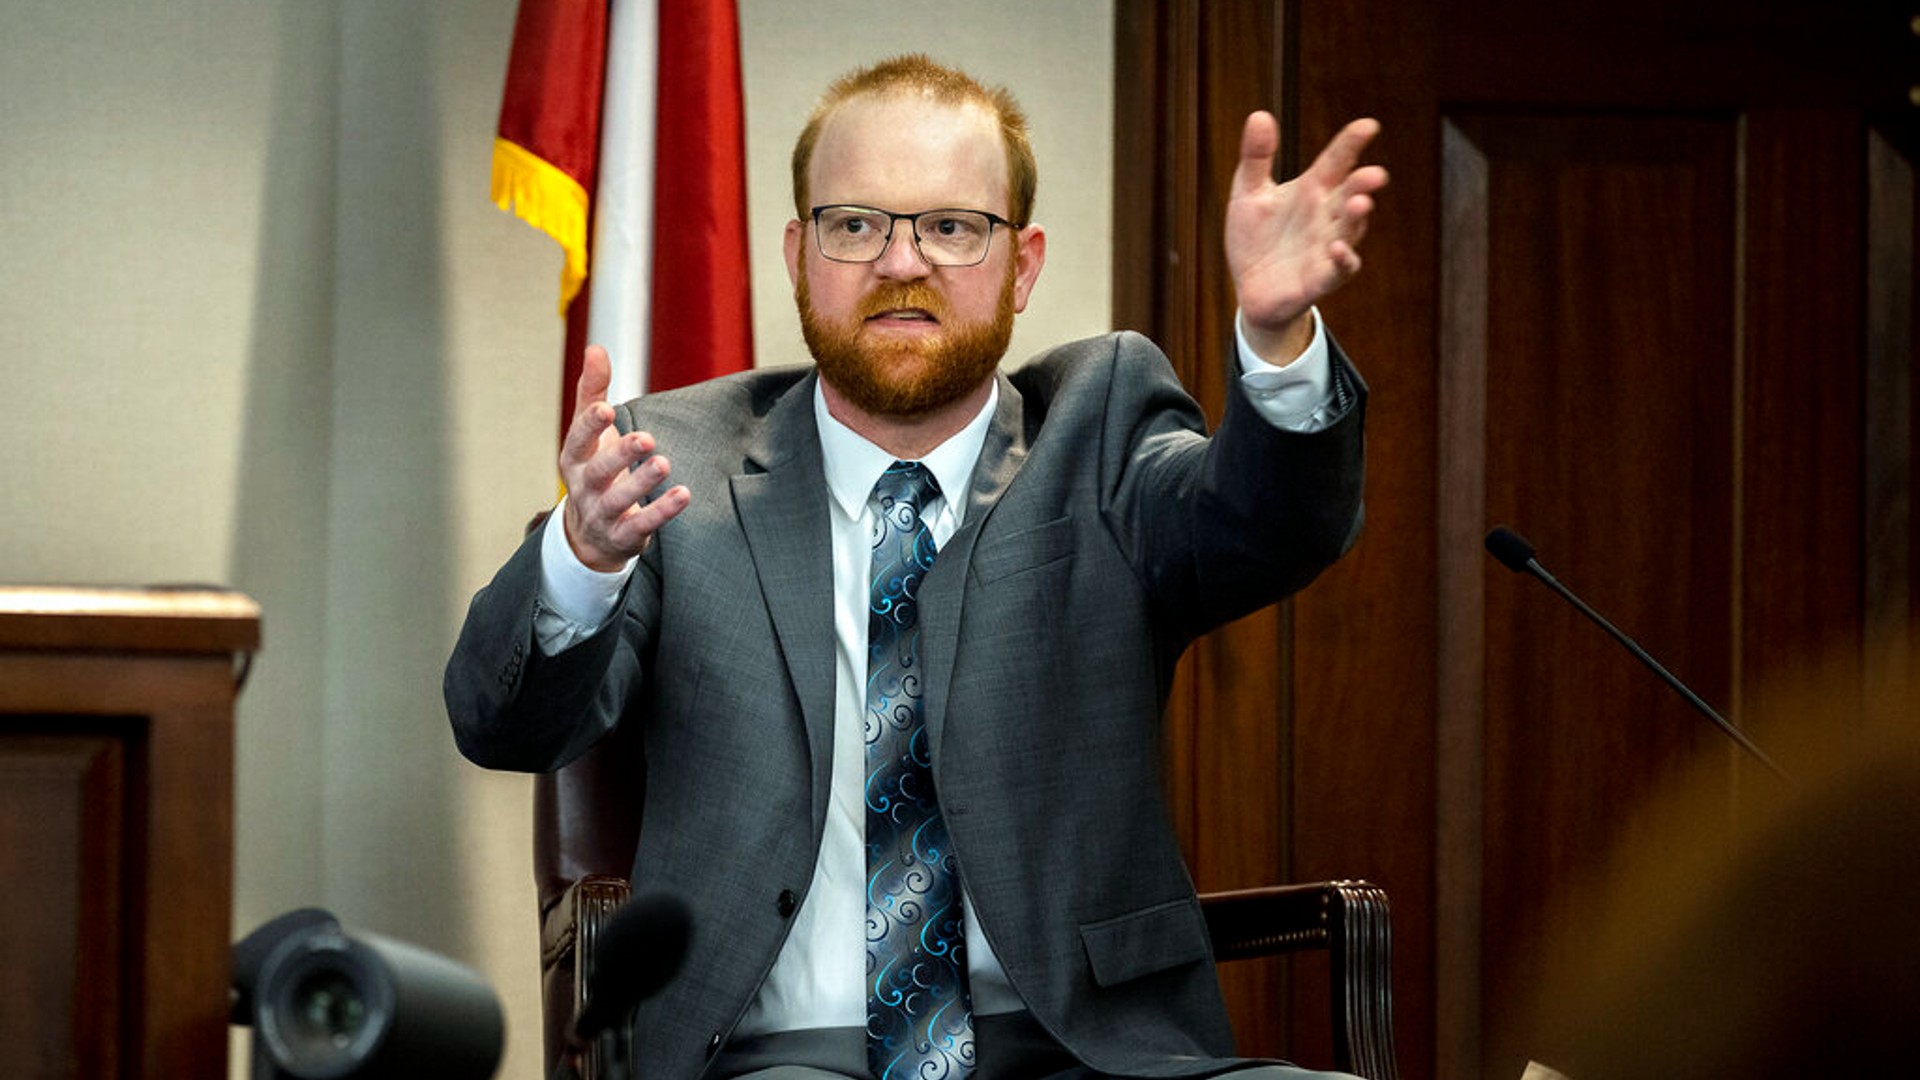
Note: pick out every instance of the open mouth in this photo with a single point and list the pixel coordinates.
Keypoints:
(903, 315)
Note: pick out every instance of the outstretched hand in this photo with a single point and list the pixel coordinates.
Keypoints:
(1290, 245)
(606, 519)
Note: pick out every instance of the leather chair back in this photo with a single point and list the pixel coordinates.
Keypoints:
(586, 825)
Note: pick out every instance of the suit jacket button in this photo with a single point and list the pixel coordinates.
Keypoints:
(787, 904)
(713, 1044)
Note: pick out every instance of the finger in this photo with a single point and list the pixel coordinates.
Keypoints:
(1366, 179)
(1356, 232)
(1362, 183)
(643, 521)
(583, 434)
(616, 460)
(1346, 261)
(632, 486)
(1342, 153)
(591, 413)
(1259, 141)
(1354, 212)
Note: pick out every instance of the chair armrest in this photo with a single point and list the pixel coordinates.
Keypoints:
(1351, 920)
(568, 930)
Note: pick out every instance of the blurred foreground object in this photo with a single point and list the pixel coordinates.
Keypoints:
(1795, 956)
(329, 1004)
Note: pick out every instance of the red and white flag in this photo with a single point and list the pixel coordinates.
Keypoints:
(617, 115)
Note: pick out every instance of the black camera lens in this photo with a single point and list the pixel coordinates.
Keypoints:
(327, 1007)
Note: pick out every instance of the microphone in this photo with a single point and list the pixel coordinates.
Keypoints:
(638, 950)
(1516, 554)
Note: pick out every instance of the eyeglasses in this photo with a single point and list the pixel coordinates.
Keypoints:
(860, 234)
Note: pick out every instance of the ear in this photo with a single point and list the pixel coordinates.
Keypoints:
(1029, 256)
(796, 234)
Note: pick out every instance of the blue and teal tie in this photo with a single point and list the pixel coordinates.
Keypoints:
(919, 1016)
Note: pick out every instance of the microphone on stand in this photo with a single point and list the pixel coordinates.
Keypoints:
(1516, 554)
(638, 950)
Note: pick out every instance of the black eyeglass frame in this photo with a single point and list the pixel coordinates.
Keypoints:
(913, 228)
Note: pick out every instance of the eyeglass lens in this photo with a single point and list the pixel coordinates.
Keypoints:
(944, 237)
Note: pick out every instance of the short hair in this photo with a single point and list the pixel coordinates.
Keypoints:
(911, 74)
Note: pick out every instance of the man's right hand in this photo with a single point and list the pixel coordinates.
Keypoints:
(606, 521)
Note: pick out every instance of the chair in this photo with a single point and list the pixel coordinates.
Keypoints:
(586, 826)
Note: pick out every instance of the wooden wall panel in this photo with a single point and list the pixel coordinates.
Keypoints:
(1367, 636)
(1251, 717)
(1606, 441)
(1802, 466)
(1893, 452)
(62, 825)
(1177, 142)
(1642, 287)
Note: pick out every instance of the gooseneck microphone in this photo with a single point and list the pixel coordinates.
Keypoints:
(1517, 555)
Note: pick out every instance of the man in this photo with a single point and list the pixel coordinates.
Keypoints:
(897, 636)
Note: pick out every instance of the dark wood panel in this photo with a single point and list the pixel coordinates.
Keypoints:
(1802, 415)
(1177, 127)
(1366, 635)
(1609, 366)
(1704, 55)
(61, 826)
(1618, 294)
(1460, 571)
(1893, 546)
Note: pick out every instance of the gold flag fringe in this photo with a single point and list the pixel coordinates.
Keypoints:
(534, 190)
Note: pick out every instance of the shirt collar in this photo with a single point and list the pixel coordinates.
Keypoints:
(853, 465)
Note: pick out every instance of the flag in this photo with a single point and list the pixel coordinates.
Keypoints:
(671, 306)
(548, 139)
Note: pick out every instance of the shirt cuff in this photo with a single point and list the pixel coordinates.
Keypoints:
(575, 599)
(1297, 397)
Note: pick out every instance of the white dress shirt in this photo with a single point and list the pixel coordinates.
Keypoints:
(819, 978)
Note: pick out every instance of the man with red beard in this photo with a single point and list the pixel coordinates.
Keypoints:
(895, 630)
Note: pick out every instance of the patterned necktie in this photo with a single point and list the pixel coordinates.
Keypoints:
(919, 1016)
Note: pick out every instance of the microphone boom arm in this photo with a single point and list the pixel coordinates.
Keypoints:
(1508, 546)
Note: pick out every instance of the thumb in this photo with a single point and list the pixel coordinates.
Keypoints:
(1259, 141)
(596, 373)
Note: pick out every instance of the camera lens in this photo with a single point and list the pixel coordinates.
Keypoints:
(327, 1007)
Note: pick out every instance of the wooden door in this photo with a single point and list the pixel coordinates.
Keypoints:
(1642, 289)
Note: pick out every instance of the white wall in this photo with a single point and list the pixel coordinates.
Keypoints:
(260, 326)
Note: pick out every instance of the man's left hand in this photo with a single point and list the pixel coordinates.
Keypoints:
(1290, 245)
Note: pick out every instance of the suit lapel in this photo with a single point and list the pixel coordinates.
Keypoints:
(945, 588)
(782, 506)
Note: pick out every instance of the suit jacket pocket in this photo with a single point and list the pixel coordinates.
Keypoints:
(1145, 941)
(1024, 550)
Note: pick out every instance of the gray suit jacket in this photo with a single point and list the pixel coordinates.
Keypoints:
(1103, 532)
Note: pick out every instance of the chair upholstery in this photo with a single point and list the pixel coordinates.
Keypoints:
(586, 827)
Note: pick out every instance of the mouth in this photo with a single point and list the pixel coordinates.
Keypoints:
(903, 315)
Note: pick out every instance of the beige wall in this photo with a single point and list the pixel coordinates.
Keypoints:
(260, 326)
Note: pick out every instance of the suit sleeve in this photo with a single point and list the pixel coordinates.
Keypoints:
(1220, 527)
(512, 706)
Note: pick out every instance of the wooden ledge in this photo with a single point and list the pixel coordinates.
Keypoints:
(187, 619)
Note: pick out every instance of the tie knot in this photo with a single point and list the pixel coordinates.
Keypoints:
(905, 482)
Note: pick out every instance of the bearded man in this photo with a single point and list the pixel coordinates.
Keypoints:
(896, 629)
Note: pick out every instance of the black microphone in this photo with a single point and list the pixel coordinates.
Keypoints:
(638, 950)
(1516, 554)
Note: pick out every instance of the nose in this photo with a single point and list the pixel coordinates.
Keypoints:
(901, 260)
